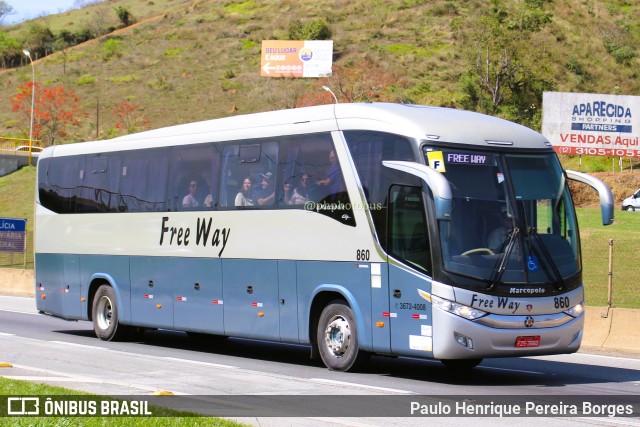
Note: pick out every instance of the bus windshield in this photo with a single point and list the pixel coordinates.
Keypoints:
(512, 219)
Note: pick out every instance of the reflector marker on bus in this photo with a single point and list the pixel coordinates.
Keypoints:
(181, 298)
(217, 301)
(148, 296)
(256, 304)
(419, 316)
(424, 294)
(387, 314)
(376, 276)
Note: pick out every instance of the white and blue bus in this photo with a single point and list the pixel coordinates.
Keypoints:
(356, 229)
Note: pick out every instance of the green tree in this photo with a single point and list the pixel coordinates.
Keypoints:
(9, 48)
(507, 61)
(124, 15)
(39, 39)
(5, 10)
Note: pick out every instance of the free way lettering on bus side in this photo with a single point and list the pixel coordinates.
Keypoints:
(204, 234)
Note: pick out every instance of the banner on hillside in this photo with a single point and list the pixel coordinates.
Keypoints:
(296, 58)
(592, 124)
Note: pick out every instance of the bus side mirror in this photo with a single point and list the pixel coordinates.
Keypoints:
(436, 182)
(606, 198)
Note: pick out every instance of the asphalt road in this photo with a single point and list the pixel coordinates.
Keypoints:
(58, 352)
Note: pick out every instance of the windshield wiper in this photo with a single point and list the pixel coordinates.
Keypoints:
(559, 283)
(504, 259)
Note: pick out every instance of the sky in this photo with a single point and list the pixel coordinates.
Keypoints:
(29, 9)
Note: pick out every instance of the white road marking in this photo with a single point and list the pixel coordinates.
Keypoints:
(363, 386)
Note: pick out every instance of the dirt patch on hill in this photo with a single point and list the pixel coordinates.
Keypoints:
(622, 184)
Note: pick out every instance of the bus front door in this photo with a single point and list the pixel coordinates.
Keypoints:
(411, 321)
(409, 270)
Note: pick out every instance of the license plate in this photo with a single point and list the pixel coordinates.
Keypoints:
(531, 341)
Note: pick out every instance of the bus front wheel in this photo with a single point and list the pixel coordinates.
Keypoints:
(337, 338)
(105, 316)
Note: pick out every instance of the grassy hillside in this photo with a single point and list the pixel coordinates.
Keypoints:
(188, 60)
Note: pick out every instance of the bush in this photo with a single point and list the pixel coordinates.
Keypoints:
(314, 30)
(86, 80)
(124, 15)
(112, 49)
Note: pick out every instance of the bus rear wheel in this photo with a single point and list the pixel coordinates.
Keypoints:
(105, 316)
(337, 338)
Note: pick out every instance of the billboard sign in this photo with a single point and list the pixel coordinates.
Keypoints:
(592, 124)
(12, 235)
(296, 58)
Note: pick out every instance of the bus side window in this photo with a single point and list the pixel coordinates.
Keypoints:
(311, 167)
(192, 172)
(249, 161)
(143, 181)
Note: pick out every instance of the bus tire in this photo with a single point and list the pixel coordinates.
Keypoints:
(461, 364)
(105, 316)
(337, 338)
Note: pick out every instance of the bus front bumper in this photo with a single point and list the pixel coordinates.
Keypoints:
(457, 338)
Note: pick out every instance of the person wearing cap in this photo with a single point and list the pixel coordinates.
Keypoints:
(265, 194)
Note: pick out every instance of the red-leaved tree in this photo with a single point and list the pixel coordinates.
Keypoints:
(55, 108)
(130, 118)
(364, 81)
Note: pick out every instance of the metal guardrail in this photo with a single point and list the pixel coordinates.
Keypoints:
(20, 144)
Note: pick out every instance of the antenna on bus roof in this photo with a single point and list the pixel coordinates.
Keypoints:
(328, 89)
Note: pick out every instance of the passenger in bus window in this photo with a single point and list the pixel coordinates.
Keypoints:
(302, 193)
(208, 201)
(287, 194)
(333, 181)
(190, 201)
(265, 193)
(244, 197)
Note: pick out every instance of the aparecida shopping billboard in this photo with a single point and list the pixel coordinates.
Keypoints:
(592, 124)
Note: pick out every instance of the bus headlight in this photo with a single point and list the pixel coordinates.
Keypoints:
(576, 310)
(467, 312)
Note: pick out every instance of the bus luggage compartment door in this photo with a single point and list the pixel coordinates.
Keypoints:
(72, 306)
(251, 298)
(197, 296)
(152, 291)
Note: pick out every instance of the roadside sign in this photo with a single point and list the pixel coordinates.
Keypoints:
(13, 233)
(296, 58)
(592, 124)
